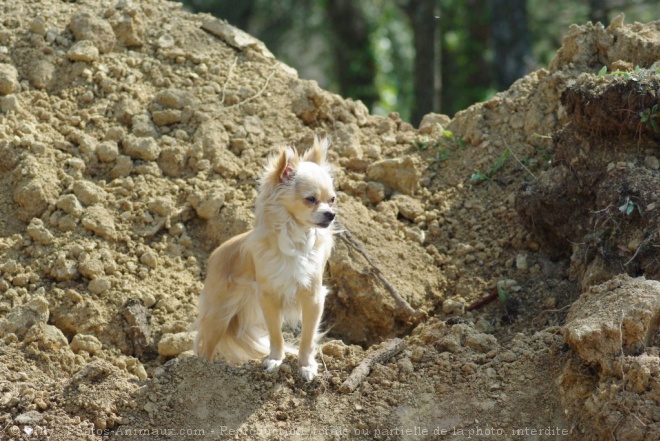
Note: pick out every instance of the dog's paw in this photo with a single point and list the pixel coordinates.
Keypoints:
(272, 365)
(309, 372)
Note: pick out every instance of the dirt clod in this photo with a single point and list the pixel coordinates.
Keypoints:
(131, 137)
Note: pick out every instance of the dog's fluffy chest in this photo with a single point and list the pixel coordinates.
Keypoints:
(292, 263)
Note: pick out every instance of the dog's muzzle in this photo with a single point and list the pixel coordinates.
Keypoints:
(328, 217)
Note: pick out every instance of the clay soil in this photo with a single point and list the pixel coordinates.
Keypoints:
(131, 134)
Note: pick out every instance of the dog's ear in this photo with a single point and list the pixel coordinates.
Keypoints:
(318, 151)
(282, 166)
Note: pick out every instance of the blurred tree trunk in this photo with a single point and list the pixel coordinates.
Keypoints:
(237, 13)
(425, 22)
(467, 73)
(511, 40)
(355, 62)
(599, 11)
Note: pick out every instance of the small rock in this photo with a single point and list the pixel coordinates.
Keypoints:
(375, 192)
(235, 37)
(399, 174)
(481, 342)
(171, 345)
(39, 233)
(141, 148)
(139, 329)
(87, 343)
(128, 30)
(143, 126)
(405, 366)
(29, 418)
(409, 207)
(35, 195)
(449, 343)
(69, 204)
(107, 151)
(175, 99)
(335, 348)
(453, 307)
(211, 205)
(88, 192)
(21, 318)
(46, 334)
(150, 259)
(9, 103)
(99, 286)
(521, 262)
(166, 117)
(431, 121)
(83, 51)
(123, 167)
(652, 162)
(99, 220)
(8, 79)
(347, 141)
(38, 26)
(85, 26)
(41, 73)
(162, 206)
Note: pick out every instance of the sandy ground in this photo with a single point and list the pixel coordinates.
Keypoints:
(131, 134)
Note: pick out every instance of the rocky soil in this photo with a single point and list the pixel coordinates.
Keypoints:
(131, 134)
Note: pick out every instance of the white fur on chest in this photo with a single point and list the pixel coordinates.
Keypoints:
(291, 265)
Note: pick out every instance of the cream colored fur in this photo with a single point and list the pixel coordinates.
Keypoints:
(273, 272)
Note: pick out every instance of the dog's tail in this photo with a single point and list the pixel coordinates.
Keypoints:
(230, 327)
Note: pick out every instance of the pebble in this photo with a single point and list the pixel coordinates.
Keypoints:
(453, 307)
(107, 151)
(88, 192)
(99, 286)
(145, 148)
(39, 233)
(150, 259)
(99, 220)
(8, 79)
(171, 345)
(83, 51)
(87, 343)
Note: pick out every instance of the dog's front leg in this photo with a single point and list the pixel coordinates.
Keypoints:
(271, 307)
(312, 309)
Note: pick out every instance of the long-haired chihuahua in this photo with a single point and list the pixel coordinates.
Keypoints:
(273, 273)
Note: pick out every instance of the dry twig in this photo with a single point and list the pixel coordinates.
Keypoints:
(261, 91)
(414, 316)
(389, 350)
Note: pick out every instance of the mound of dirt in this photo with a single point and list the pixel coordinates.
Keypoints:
(131, 135)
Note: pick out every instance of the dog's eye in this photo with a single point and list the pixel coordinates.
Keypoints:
(332, 200)
(311, 199)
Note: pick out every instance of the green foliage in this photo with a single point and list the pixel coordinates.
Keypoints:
(443, 145)
(503, 294)
(629, 206)
(478, 176)
(648, 116)
(449, 135)
(298, 33)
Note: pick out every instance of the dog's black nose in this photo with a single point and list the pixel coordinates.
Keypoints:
(329, 215)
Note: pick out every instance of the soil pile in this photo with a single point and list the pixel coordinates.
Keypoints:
(131, 135)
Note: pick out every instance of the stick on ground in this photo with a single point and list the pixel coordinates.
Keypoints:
(392, 348)
(414, 316)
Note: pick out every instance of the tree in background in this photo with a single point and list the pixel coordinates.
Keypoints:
(511, 40)
(466, 54)
(424, 16)
(416, 56)
(355, 62)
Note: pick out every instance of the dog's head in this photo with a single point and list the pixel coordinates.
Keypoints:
(302, 185)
